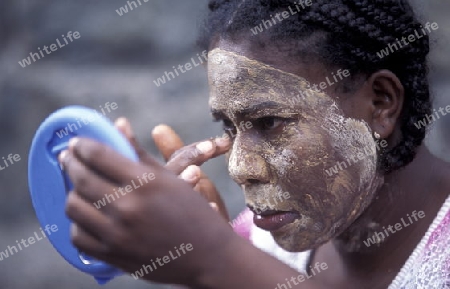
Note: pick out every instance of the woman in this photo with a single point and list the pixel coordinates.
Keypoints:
(331, 161)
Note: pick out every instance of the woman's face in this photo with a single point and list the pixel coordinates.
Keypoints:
(287, 138)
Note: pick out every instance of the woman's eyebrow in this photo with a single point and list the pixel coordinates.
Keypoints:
(217, 114)
(254, 108)
(260, 106)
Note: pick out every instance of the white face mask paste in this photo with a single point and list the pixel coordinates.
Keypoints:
(296, 161)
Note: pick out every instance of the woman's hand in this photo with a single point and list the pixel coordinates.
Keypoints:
(155, 220)
(155, 226)
(183, 160)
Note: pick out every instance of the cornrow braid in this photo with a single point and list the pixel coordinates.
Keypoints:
(356, 31)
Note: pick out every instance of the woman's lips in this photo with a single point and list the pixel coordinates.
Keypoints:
(274, 220)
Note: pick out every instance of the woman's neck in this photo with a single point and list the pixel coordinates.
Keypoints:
(385, 235)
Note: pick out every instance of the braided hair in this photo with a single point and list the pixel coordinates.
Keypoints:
(354, 31)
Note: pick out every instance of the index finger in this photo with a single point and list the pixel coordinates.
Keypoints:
(167, 140)
(105, 161)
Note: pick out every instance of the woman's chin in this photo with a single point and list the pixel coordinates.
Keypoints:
(299, 242)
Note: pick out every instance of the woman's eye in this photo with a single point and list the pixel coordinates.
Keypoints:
(270, 123)
(228, 125)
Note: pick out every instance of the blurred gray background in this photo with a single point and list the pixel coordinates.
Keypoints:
(117, 59)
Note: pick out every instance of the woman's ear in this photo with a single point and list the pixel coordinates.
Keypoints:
(387, 101)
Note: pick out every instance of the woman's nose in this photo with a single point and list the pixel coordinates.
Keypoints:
(246, 166)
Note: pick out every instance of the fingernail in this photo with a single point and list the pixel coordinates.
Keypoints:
(121, 121)
(159, 129)
(205, 147)
(222, 141)
(214, 206)
(62, 156)
(125, 124)
(73, 142)
(189, 174)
